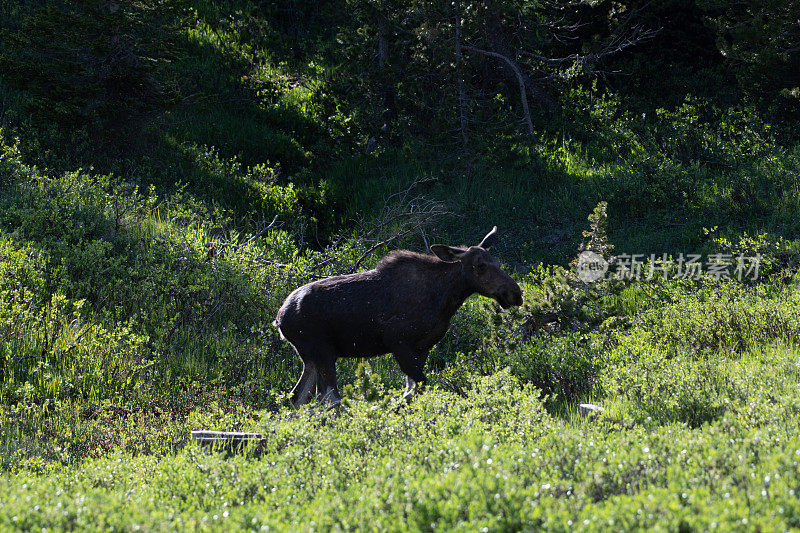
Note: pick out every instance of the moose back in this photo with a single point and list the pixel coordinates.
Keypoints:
(403, 306)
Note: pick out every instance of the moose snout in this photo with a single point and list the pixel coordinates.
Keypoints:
(517, 296)
(510, 295)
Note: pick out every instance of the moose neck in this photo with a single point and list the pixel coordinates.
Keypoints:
(456, 289)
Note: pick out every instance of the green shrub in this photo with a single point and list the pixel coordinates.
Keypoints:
(492, 459)
(691, 361)
(565, 368)
(697, 390)
(778, 258)
(725, 318)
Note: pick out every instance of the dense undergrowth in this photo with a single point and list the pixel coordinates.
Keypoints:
(493, 459)
(165, 184)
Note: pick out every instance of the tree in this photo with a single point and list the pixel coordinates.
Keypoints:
(444, 64)
(760, 40)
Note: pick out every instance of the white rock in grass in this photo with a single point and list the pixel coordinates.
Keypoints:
(587, 408)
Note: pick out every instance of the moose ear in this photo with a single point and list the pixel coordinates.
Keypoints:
(447, 253)
(489, 239)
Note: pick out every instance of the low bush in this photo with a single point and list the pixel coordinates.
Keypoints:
(491, 459)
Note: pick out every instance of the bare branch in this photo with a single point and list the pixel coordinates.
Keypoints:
(634, 36)
(262, 231)
(406, 216)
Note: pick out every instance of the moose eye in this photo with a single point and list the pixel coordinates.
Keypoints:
(480, 268)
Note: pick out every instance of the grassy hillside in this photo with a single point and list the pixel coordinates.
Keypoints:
(171, 170)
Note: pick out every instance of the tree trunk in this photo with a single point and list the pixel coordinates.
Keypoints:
(507, 63)
(387, 91)
(462, 99)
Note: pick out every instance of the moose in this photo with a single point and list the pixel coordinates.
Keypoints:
(403, 306)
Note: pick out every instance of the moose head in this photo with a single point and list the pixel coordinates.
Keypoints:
(482, 270)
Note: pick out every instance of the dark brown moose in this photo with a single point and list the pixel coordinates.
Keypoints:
(403, 306)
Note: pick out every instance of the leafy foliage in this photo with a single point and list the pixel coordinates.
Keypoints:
(493, 459)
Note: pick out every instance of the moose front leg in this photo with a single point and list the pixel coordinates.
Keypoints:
(412, 363)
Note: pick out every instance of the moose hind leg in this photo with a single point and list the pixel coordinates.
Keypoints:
(301, 393)
(327, 389)
(319, 371)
